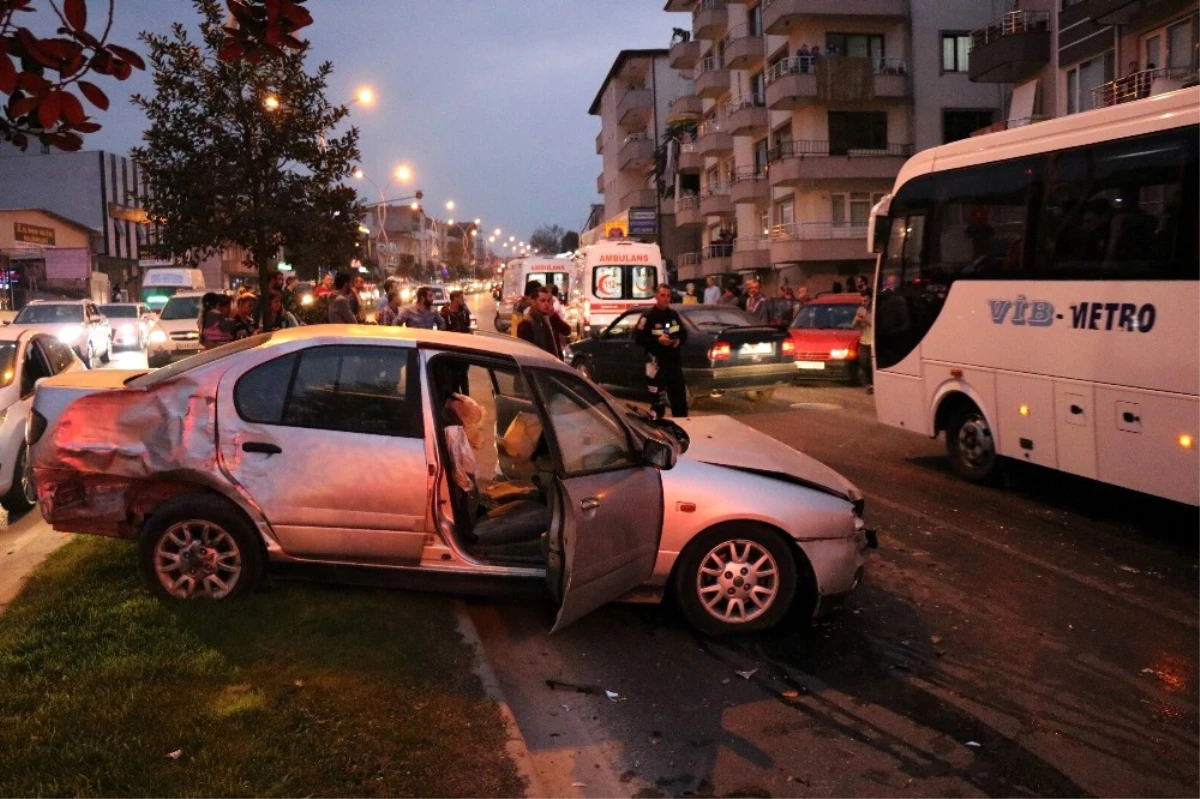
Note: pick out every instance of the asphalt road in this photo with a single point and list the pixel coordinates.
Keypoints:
(1038, 638)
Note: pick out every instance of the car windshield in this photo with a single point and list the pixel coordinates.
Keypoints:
(826, 317)
(178, 368)
(119, 311)
(718, 318)
(8, 357)
(181, 308)
(49, 314)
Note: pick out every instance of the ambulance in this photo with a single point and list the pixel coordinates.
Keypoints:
(617, 275)
(549, 271)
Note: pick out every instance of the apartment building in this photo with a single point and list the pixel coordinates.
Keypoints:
(633, 104)
(1065, 56)
(802, 113)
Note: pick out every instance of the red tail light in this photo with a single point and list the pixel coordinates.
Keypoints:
(788, 348)
(719, 351)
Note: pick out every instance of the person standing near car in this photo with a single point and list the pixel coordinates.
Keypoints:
(661, 332)
(712, 293)
(341, 311)
(541, 326)
(243, 320)
(456, 317)
(756, 302)
(521, 306)
(866, 341)
(421, 314)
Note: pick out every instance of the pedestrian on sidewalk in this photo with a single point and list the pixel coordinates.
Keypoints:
(521, 307)
(661, 332)
(866, 341)
(216, 324)
(712, 292)
(390, 315)
(421, 313)
(541, 326)
(456, 317)
(756, 302)
(341, 310)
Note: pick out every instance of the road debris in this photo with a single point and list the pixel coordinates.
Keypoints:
(976, 744)
(935, 639)
(1130, 569)
(178, 753)
(298, 683)
(613, 696)
(745, 675)
(594, 690)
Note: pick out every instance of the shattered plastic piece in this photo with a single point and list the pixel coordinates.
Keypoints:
(1129, 569)
(976, 744)
(298, 683)
(745, 675)
(178, 753)
(935, 639)
(613, 696)
(725, 681)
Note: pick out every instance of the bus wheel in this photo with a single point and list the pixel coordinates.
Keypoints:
(970, 446)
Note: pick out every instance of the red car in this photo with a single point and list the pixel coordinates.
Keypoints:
(826, 339)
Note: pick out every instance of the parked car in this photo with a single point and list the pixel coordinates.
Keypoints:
(726, 350)
(825, 338)
(176, 334)
(565, 487)
(26, 357)
(131, 323)
(76, 323)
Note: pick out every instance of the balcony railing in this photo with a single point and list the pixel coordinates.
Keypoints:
(711, 63)
(748, 173)
(1141, 84)
(640, 136)
(716, 188)
(710, 126)
(688, 202)
(807, 65)
(745, 101)
(718, 251)
(751, 243)
(689, 259)
(1011, 23)
(817, 231)
(689, 146)
(805, 149)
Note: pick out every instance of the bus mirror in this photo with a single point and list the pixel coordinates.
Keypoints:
(877, 225)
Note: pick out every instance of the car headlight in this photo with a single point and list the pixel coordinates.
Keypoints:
(307, 299)
(839, 355)
(127, 329)
(158, 337)
(69, 335)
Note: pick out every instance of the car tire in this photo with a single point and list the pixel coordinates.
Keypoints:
(209, 541)
(89, 356)
(735, 548)
(22, 494)
(762, 395)
(970, 445)
(157, 361)
(106, 356)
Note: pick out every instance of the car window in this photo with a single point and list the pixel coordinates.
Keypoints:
(8, 355)
(589, 435)
(181, 308)
(623, 327)
(49, 314)
(718, 318)
(817, 316)
(261, 393)
(58, 354)
(35, 369)
(119, 311)
(371, 390)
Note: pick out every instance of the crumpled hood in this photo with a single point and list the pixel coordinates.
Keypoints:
(722, 441)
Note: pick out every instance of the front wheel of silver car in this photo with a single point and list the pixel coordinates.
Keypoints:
(736, 578)
(22, 495)
(199, 547)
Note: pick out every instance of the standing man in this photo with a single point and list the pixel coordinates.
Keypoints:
(712, 294)
(325, 286)
(661, 332)
(456, 317)
(289, 293)
(341, 311)
(262, 310)
(420, 314)
(866, 341)
(524, 304)
(539, 327)
(756, 302)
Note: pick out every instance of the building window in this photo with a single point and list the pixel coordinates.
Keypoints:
(785, 212)
(761, 156)
(758, 89)
(1084, 78)
(853, 208)
(764, 222)
(754, 20)
(959, 123)
(955, 47)
(855, 45)
(857, 130)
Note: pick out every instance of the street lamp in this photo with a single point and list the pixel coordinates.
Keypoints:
(402, 174)
(364, 96)
(271, 102)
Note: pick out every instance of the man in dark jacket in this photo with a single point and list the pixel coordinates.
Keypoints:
(341, 309)
(661, 332)
(456, 317)
(541, 326)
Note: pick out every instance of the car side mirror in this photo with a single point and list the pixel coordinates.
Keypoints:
(656, 453)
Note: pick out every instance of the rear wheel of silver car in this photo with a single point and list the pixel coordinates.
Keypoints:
(106, 356)
(22, 495)
(199, 547)
(736, 578)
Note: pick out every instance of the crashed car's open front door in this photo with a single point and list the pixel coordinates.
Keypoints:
(608, 512)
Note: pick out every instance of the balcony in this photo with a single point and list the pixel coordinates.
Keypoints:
(690, 157)
(750, 187)
(637, 152)
(780, 16)
(687, 265)
(710, 19)
(1011, 49)
(713, 138)
(679, 5)
(684, 55)
(751, 253)
(633, 109)
(716, 259)
(600, 183)
(794, 162)
(794, 82)
(1146, 83)
(744, 48)
(599, 142)
(715, 199)
(746, 116)
(818, 241)
(687, 211)
(686, 108)
(639, 198)
(713, 79)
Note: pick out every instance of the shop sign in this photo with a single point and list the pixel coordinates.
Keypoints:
(33, 234)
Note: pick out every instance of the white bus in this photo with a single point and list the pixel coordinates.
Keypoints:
(617, 275)
(1036, 297)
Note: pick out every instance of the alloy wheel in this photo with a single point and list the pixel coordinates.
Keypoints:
(737, 581)
(197, 559)
(28, 487)
(975, 444)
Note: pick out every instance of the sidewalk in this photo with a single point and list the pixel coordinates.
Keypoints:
(23, 545)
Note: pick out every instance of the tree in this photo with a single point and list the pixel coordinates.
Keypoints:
(315, 249)
(237, 152)
(37, 74)
(570, 242)
(546, 239)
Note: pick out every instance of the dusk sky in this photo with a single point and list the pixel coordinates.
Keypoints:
(487, 100)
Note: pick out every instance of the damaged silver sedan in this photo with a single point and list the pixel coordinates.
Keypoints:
(459, 461)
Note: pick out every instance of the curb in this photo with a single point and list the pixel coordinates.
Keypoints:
(516, 746)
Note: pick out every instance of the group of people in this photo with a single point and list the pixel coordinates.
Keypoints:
(224, 319)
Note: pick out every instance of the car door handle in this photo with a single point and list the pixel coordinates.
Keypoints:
(591, 503)
(261, 446)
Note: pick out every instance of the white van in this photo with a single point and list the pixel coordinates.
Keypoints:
(617, 276)
(559, 272)
(160, 283)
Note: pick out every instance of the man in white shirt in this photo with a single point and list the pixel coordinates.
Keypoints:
(712, 294)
